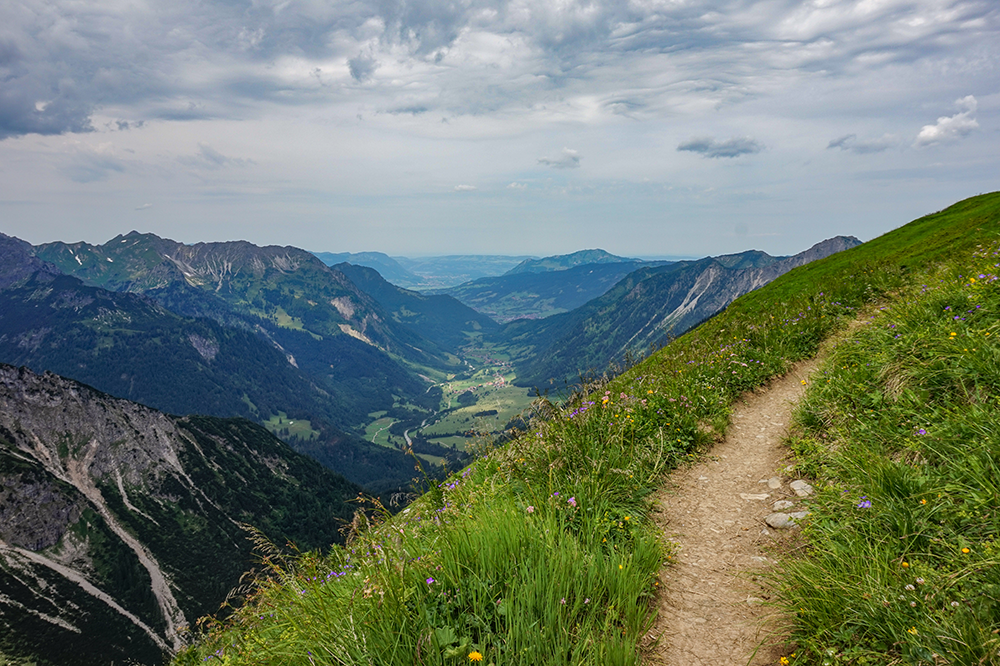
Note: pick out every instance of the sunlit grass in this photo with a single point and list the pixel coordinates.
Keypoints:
(542, 551)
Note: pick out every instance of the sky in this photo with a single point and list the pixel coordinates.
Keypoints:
(423, 127)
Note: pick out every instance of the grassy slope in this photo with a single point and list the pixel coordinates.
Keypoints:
(542, 551)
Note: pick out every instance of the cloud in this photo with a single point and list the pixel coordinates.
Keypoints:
(465, 188)
(362, 67)
(709, 147)
(408, 110)
(569, 159)
(144, 206)
(850, 142)
(951, 128)
(61, 60)
(91, 166)
(210, 158)
(124, 125)
(517, 186)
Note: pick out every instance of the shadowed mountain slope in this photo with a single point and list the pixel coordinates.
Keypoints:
(539, 294)
(130, 346)
(276, 288)
(441, 319)
(642, 312)
(120, 525)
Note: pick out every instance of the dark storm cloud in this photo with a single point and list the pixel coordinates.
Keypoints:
(709, 147)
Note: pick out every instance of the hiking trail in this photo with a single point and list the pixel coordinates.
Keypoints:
(712, 609)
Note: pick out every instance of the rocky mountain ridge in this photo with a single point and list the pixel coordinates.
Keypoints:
(120, 525)
(642, 311)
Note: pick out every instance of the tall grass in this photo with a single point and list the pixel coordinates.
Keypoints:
(543, 552)
(904, 426)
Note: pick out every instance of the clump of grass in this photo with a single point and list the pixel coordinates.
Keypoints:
(903, 559)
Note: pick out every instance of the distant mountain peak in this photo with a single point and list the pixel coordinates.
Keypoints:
(563, 262)
(18, 262)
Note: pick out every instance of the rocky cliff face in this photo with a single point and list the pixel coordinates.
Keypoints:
(119, 525)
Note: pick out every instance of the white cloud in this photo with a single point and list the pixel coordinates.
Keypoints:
(568, 159)
(144, 206)
(951, 128)
(466, 188)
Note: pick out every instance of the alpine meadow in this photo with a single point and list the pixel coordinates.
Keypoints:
(543, 551)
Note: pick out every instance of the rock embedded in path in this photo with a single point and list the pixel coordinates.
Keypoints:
(783, 521)
(774, 483)
(754, 496)
(781, 505)
(779, 520)
(801, 488)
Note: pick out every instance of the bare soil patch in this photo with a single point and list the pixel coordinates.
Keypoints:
(713, 608)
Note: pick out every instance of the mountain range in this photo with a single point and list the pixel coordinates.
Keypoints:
(641, 312)
(120, 525)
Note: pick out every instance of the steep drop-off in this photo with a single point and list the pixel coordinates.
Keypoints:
(120, 525)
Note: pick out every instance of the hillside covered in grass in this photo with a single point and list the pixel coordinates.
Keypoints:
(543, 552)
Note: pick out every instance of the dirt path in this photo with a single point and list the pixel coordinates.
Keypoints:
(711, 612)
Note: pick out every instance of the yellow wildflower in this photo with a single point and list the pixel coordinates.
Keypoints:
(475, 655)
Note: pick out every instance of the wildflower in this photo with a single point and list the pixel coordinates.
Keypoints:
(921, 432)
(784, 661)
(912, 630)
(563, 601)
(572, 502)
(430, 581)
(865, 503)
(910, 587)
(920, 581)
(531, 509)
(954, 604)
(923, 501)
(965, 551)
(475, 655)
(905, 565)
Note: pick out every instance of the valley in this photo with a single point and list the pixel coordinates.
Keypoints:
(298, 388)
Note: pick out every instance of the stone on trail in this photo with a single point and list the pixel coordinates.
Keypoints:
(754, 496)
(774, 483)
(781, 505)
(779, 520)
(801, 488)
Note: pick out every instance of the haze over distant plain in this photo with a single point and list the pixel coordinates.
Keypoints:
(416, 127)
